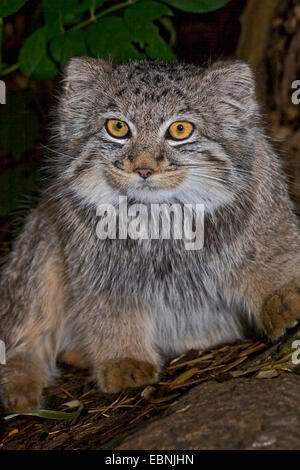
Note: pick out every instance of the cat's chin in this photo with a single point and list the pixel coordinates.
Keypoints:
(152, 196)
(97, 195)
(210, 204)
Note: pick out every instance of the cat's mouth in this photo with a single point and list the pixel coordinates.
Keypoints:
(148, 185)
(145, 179)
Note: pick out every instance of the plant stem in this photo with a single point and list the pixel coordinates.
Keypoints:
(102, 13)
(81, 25)
(10, 69)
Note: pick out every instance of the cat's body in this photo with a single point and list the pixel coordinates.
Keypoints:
(127, 304)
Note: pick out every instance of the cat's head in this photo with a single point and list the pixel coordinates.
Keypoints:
(156, 132)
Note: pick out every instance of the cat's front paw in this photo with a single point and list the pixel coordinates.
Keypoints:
(119, 374)
(22, 393)
(281, 310)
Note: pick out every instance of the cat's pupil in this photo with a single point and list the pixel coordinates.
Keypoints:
(119, 125)
(180, 127)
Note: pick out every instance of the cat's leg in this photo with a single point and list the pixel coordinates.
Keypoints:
(272, 293)
(32, 293)
(76, 357)
(122, 351)
(32, 345)
(22, 381)
(281, 309)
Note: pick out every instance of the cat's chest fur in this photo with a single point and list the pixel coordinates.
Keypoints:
(142, 268)
(181, 289)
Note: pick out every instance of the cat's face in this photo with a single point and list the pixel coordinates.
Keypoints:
(156, 132)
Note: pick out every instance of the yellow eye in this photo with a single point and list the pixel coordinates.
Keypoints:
(180, 130)
(117, 128)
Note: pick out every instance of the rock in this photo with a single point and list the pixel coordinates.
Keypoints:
(235, 414)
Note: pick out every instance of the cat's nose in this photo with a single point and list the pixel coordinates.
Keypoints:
(144, 172)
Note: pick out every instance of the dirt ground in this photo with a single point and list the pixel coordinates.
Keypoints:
(107, 420)
(230, 379)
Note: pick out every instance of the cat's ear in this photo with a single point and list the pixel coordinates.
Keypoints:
(233, 83)
(82, 73)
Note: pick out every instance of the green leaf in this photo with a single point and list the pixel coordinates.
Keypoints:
(75, 14)
(16, 182)
(50, 414)
(139, 18)
(110, 38)
(8, 7)
(68, 11)
(168, 25)
(158, 49)
(17, 119)
(197, 6)
(68, 45)
(93, 4)
(34, 60)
